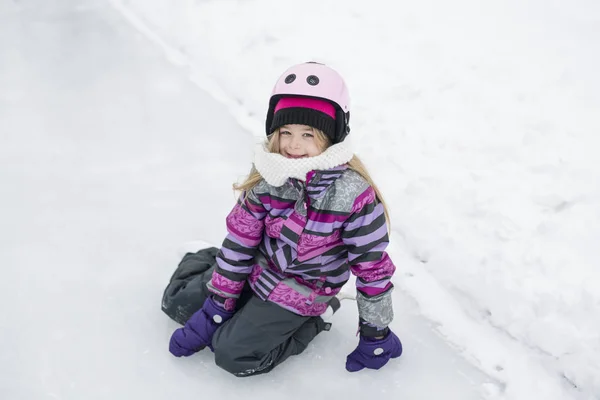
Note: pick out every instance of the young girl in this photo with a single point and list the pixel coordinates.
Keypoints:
(309, 215)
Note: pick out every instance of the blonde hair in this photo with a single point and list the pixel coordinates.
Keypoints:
(323, 141)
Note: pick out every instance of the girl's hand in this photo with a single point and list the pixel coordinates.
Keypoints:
(374, 353)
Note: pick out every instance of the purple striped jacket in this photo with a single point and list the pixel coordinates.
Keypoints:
(297, 244)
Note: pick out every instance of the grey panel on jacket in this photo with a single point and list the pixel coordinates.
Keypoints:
(287, 191)
(341, 195)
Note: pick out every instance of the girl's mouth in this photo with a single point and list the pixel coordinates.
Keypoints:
(292, 156)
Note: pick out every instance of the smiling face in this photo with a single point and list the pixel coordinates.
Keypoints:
(299, 141)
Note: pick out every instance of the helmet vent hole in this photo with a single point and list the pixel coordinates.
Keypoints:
(312, 80)
(290, 78)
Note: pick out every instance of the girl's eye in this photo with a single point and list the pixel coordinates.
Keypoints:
(284, 133)
(309, 135)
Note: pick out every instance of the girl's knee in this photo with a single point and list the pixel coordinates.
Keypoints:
(238, 361)
(241, 367)
(225, 354)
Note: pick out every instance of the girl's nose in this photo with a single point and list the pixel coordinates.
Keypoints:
(295, 142)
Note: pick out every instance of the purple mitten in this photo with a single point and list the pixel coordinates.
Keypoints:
(374, 353)
(199, 329)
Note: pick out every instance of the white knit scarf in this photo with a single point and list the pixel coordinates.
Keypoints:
(276, 169)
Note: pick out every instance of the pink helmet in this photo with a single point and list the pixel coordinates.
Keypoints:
(314, 80)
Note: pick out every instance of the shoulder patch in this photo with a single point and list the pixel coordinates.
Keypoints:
(286, 192)
(261, 187)
(340, 196)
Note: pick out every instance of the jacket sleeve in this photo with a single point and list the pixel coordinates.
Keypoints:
(366, 238)
(245, 225)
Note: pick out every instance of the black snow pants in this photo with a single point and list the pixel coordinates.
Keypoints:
(259, 336)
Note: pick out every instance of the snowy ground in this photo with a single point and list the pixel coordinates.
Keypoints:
(478, 124)
(108, 153)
